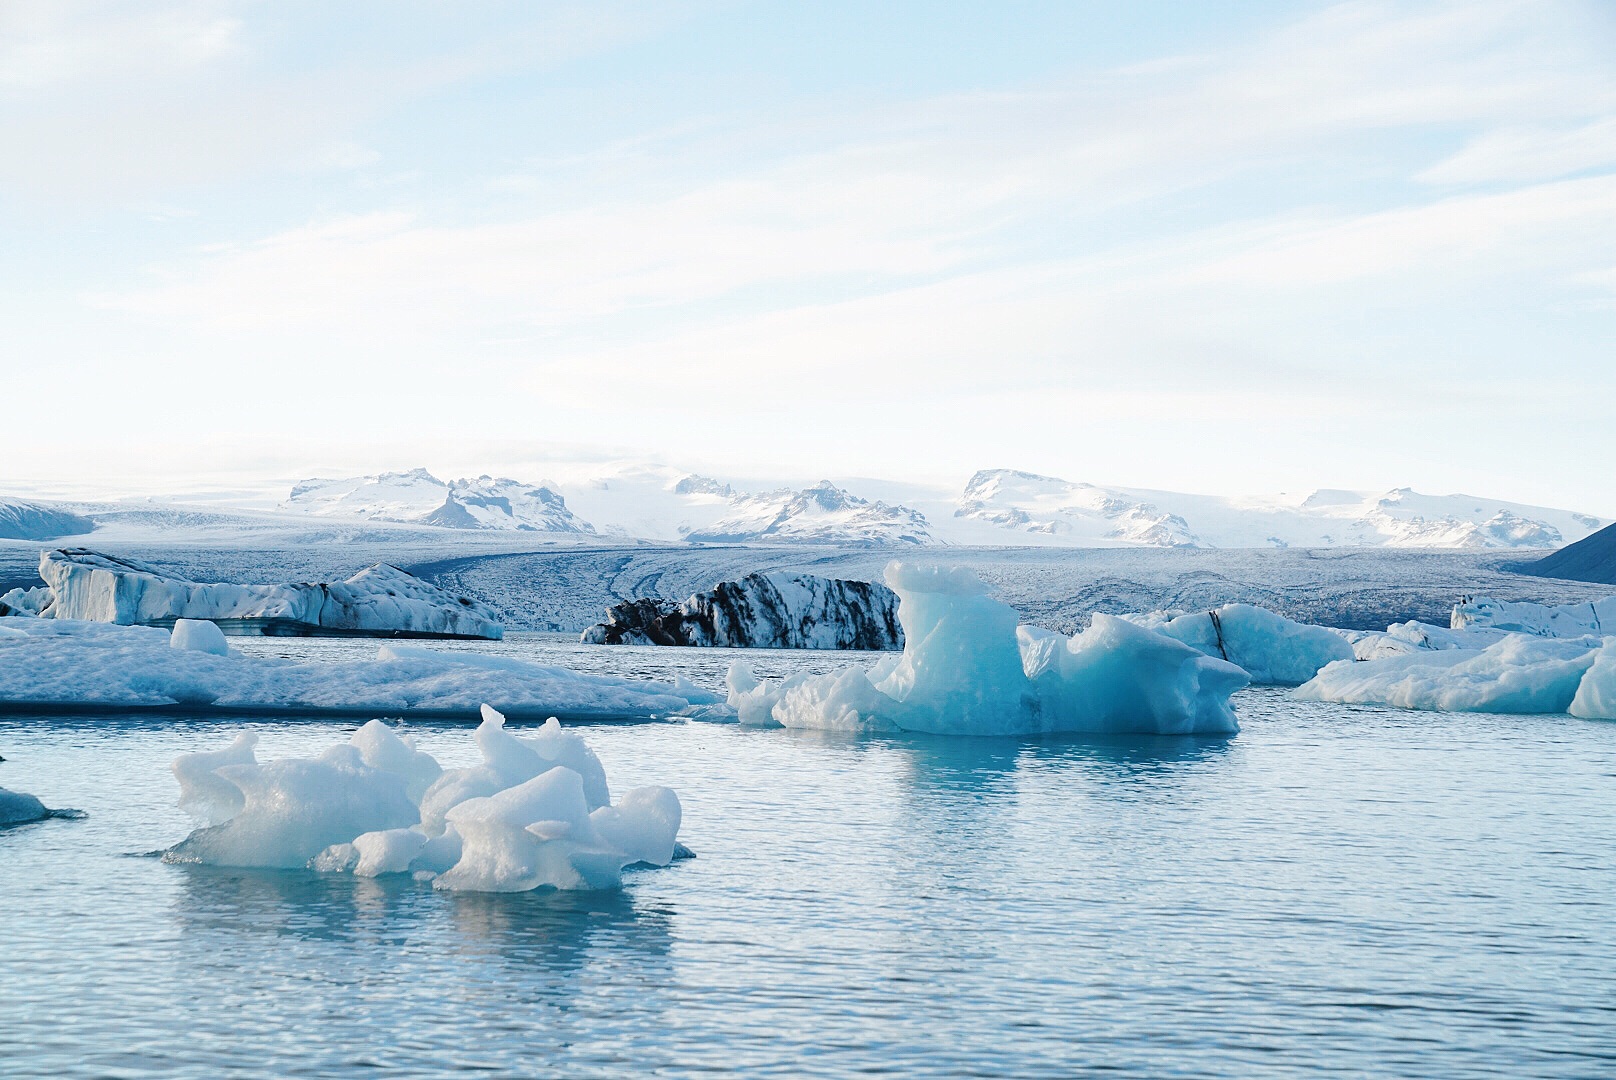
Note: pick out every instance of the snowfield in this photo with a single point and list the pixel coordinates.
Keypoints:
(629, 500)
(420, 498)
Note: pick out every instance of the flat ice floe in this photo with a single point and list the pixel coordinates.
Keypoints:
(58, 662)
(967, 668)
(535, 813)
(1519, 673)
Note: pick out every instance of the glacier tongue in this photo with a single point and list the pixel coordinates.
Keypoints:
(380, 599)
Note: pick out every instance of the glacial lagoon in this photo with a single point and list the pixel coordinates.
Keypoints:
(1337, 890)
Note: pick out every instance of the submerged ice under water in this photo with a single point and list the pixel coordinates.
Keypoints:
(1338, 890)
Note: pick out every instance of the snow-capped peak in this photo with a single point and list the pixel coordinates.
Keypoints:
(418, 497)
(823, 513)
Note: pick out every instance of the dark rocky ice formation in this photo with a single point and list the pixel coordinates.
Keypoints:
(761, 611)
(1592, 558)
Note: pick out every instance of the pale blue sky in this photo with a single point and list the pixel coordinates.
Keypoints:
(1218, 247)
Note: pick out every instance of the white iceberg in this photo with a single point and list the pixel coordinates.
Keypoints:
(1517, 674)
(1596, 694)
(968, 669)
(51, 663)
(1273, 650)
(198, 635)
(1597, 617)
(535, 814)
(380, 599)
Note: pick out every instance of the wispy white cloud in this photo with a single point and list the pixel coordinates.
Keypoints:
(1243, 244)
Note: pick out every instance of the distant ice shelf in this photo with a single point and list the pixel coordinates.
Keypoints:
(380, 600)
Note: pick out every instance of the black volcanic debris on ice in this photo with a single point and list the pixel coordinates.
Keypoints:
(761, 611)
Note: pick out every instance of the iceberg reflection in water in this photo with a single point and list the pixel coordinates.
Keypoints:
(1338, 890)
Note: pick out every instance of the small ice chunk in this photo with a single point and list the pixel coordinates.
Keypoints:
(390, 851)
(198, 635)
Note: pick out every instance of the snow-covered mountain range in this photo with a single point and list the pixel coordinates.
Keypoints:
(1087, 515)
(631, 501)
(821, 514)
(419, 498)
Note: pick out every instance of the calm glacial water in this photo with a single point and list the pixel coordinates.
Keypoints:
(1338, 891)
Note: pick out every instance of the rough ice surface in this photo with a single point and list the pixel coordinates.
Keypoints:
(1404, 638)
(380, 599)
(205, 795)
(1596, 694)
(536, 813)
(1564, 621)
(54, 662)
(761, 611)
(17, 807)
(968, 669)
(1272, 649)
(198, 635)
(1519, 673)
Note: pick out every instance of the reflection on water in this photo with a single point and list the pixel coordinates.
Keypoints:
(1333, 892)
(220, 908)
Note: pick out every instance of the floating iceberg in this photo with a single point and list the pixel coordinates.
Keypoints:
(50, 663)
(536, 813)
(1596, 617)
(1272, 649)
(762, 611)
(968, 669)
(1518, 673)
(17, 807)
(381, 599)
